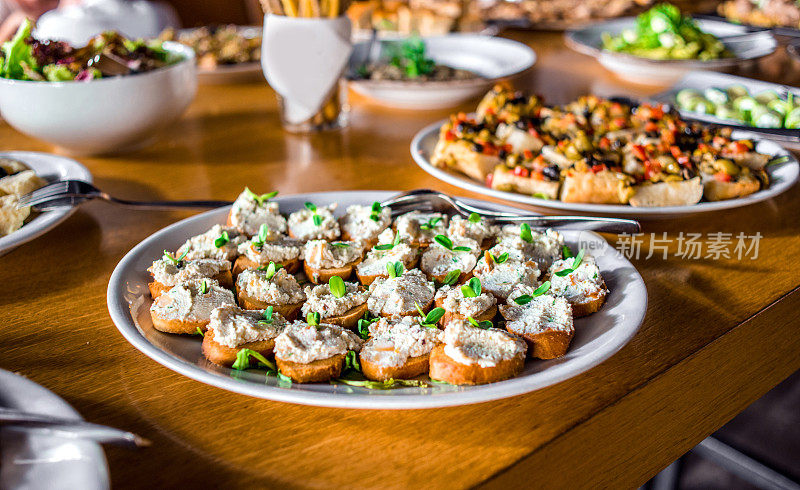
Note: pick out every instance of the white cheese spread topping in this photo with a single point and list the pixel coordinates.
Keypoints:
(203, 247)
(234, 326)
(500, 279)
(358, 224)
(168, 273)
(321, 254)
(248, 216)
(281, 289)
(471, 345)
(462, 227)
(279, 250)
(374, 264)
(395, 340)
(320, 299)
(544, 247)
(543, 313)
(304, 343)
(301, 224)
(185, 302)
(452, 300)
(438, 260)
(397, 295)
(581, 285)
(410, 226)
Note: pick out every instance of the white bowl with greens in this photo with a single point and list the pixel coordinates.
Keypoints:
(660, 46)
(434, 72)
(97, 107)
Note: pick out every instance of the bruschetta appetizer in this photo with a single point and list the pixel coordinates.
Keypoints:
(220, 243)
(473, 355)
(499, 274)
(260, 289)
(20, 183)
(186, 307)
(251, 211)
(465, 301)
(337, 302)
(544, 321)
(398, 348)
(475, 227)
(578, 280)
(523, 244)
(603, 187)
(450, 255)
(364, 223)
(232, 329)
(527, 180)
(389, 250)
(401, 295)
(464, 146)
(324, 259)
(418, 229)
(313, 353)
(314, 223)
(168, 271)
(660, 194)
(723, 179)
(260, 250)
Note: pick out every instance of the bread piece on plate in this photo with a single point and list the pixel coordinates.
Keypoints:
(678, 193)
(475, 228)
(220, 243)
(519, 139)
(458, 306)
(545, 322)
(255, 253)
(232, 329)
(11, 166)
(314, 223)
(313, 353)
(504, 179)
(257, 290)
(460, 155)
(750, 159)
(324, 259)
(584, 287)
(376, 260)
(456, 253)
(400, 295)
(398, 348)
(717, 190)
(11, 217)
(251, 211)
(365, 223)
(472, 356)
(541, 246)
(168, 272)
(344, 310)
(187, 307)
(500, 278)
(604, 187)
(553, 157)
(21, 183)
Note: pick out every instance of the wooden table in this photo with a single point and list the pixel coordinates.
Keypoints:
(717, 336)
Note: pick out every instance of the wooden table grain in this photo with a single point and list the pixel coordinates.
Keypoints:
(718, 333)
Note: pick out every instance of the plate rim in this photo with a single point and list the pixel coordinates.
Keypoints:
(466, 183)
(120, 313)
(32, 230)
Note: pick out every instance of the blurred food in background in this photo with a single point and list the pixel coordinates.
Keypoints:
(767, 13)
(218, 45)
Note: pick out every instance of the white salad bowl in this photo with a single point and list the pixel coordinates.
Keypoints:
(107, 115)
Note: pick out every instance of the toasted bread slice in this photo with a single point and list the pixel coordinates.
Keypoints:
(549, 344)
(226, 356)
(413, 367)
(367, 279)
(224, 278)
(605, 187)
(244, 263)
(321, 276)
(450, 316)
(715, 190)
(178, 326)
(749, 159)
(444, 368)
(460, 156)
(289, 312)
(504, 180)
(314, 372)
(349, 319)
(589, 306)
(680, 193)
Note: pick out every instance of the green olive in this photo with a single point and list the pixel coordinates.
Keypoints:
(582, 142)
(572, 152)
(727, 166)
(669, 164)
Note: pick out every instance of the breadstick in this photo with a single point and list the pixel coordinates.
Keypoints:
(289, 8)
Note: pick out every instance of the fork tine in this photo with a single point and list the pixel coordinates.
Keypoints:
(49, 190)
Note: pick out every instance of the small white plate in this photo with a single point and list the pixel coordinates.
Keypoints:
(492, 58)
(782, 177)
(589, 40)
(597, 337)
(50, 168)
(36, 459)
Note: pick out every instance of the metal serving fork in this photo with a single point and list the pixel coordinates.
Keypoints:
(429, 200)
(74, 192)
